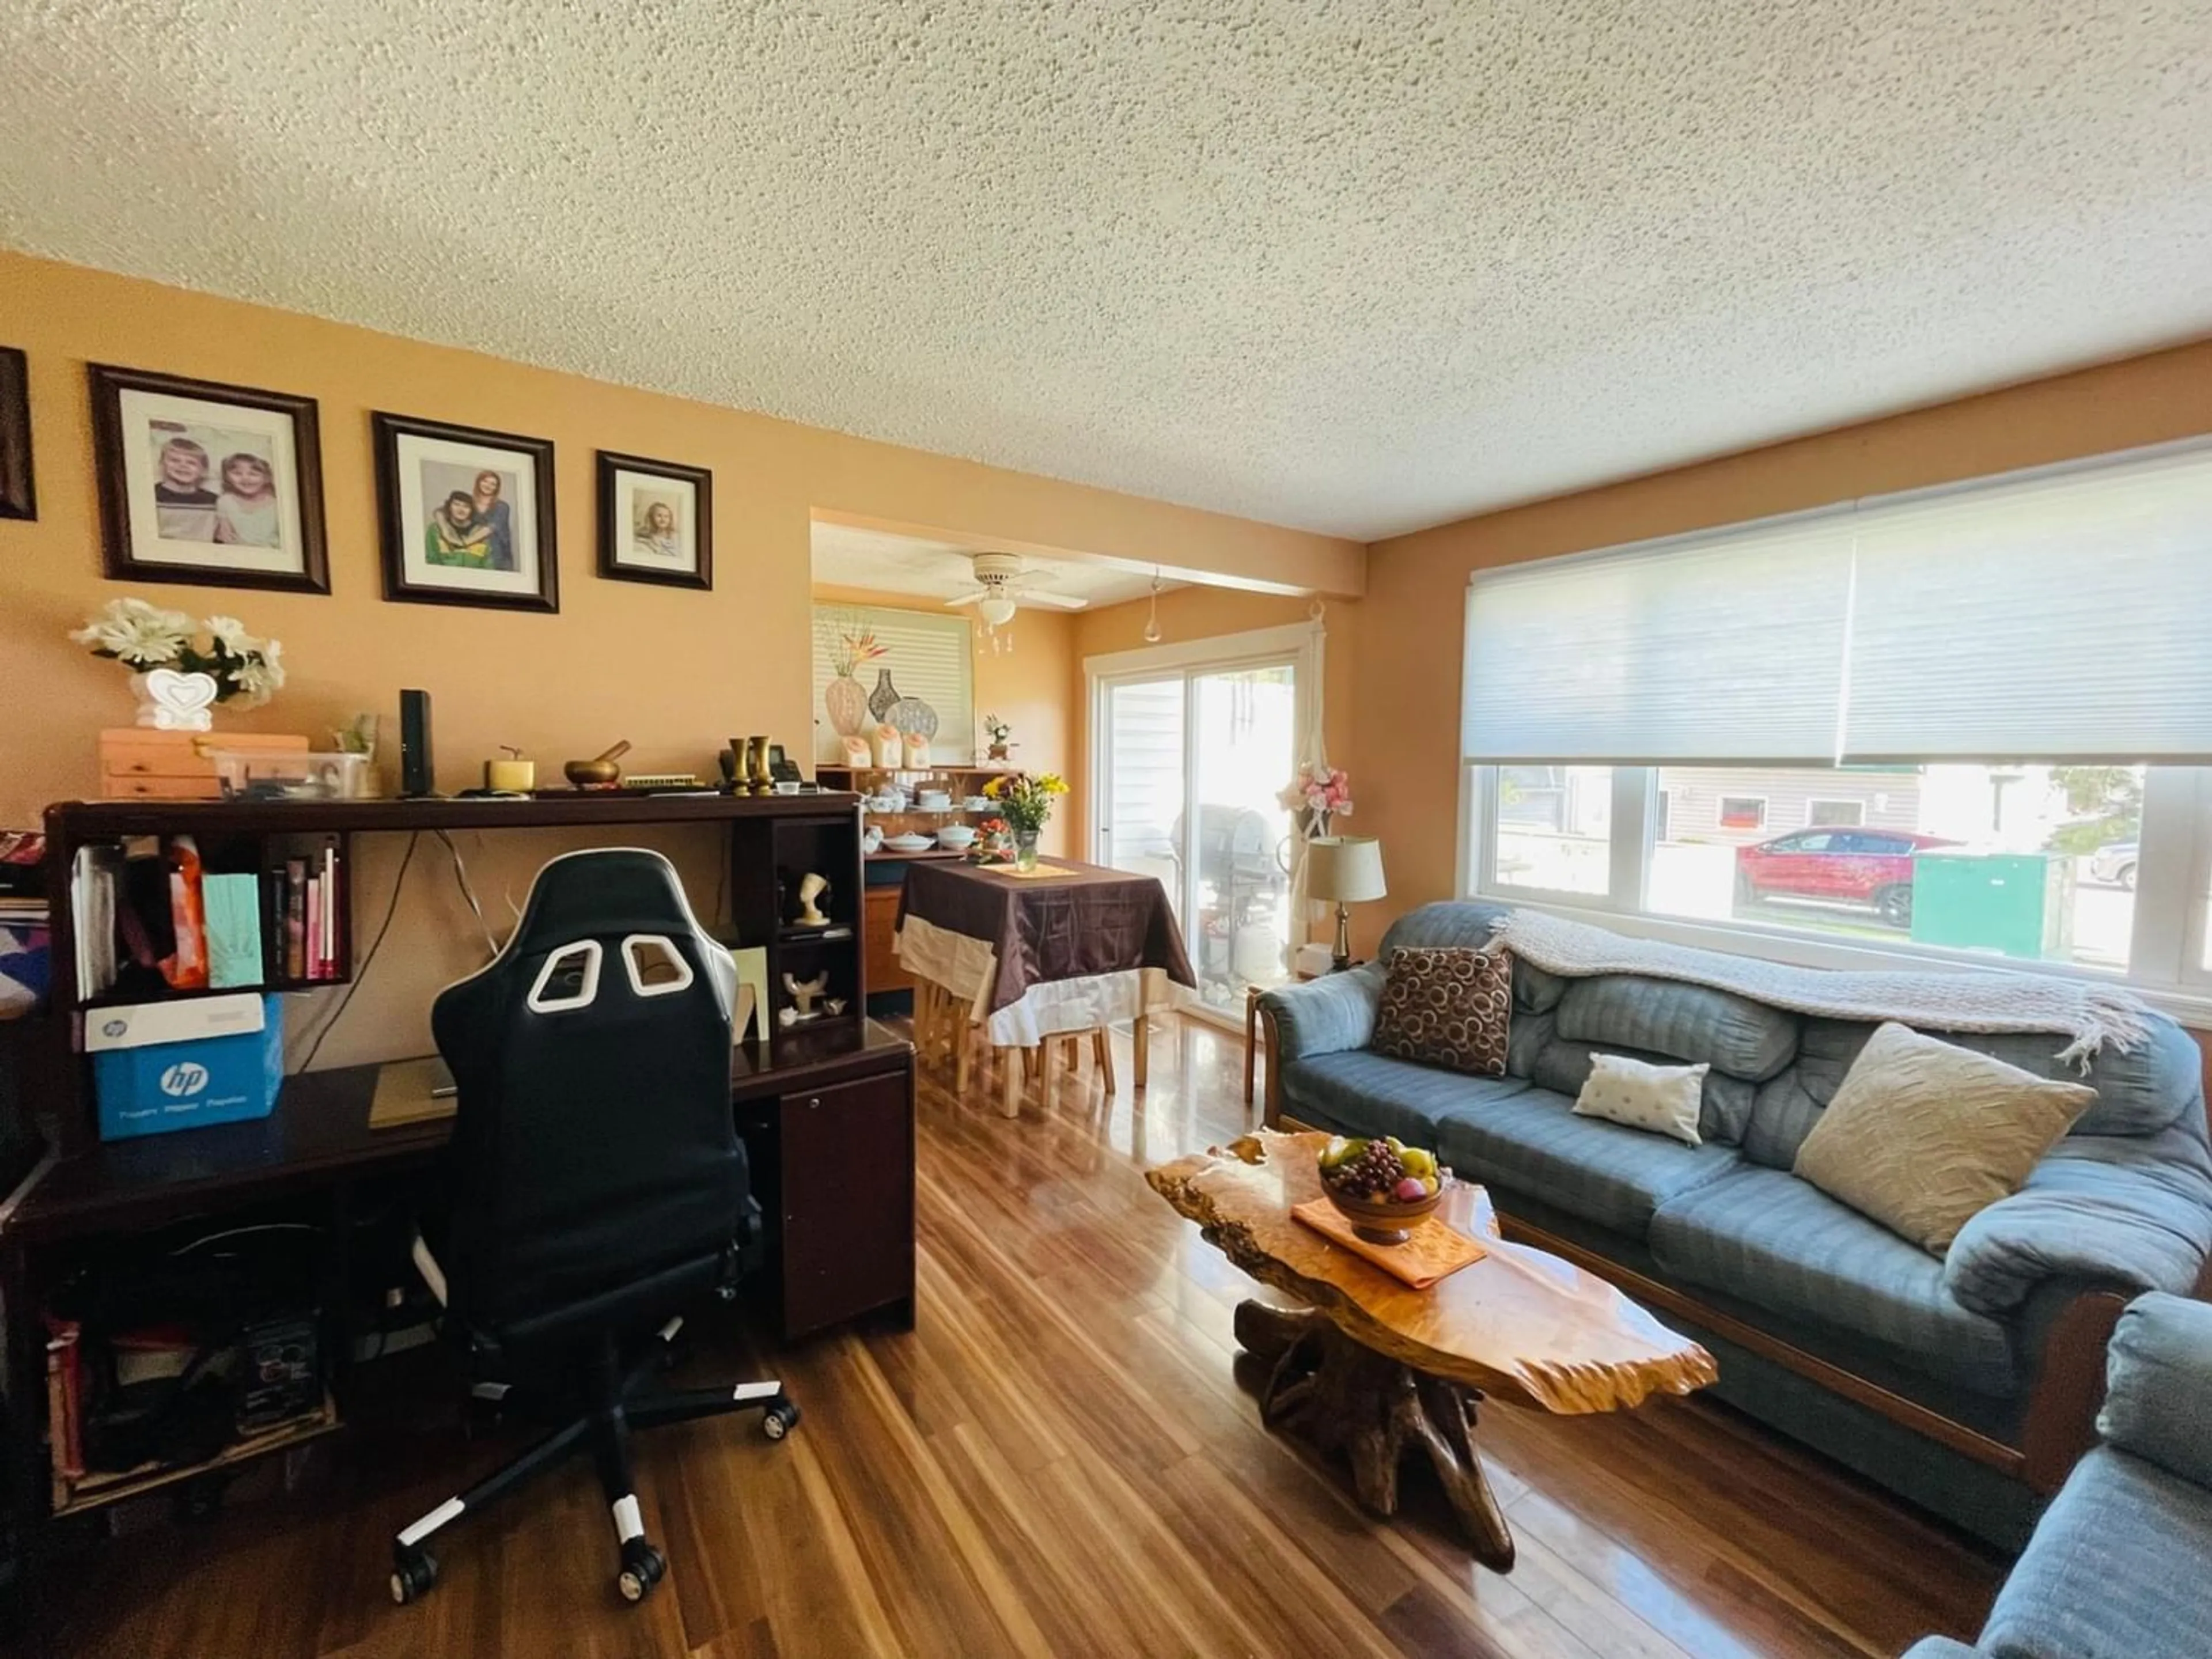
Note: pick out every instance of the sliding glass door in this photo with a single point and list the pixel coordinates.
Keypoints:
(1188, 764)
(1143, 772)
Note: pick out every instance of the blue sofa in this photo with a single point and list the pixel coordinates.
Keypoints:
(2117, 1567)
(1966, 1383)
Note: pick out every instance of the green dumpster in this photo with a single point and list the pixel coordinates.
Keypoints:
(2018, 904)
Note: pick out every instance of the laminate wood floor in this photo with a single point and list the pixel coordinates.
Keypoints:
(1059, 1460)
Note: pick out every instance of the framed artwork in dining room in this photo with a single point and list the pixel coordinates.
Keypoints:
(467, 516)
(17, 499)
(219, 486)
(656, 521)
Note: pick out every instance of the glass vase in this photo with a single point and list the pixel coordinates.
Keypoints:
(1026, 849)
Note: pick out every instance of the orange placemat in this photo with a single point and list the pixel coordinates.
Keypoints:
(1431, 1251)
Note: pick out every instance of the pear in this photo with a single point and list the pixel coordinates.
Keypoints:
(1340, 1151)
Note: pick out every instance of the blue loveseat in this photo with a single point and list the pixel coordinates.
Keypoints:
(1966, 1383)
(2117, 1567)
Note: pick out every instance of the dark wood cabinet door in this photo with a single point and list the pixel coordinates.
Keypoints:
(848, 1199)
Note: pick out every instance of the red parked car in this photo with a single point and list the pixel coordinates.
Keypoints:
(1872, 867)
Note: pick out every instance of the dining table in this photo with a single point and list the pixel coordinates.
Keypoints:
(1023, 958)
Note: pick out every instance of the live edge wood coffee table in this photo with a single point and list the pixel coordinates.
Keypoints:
(1375, 1369)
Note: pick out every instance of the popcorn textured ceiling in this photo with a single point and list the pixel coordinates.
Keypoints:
(1352, 267)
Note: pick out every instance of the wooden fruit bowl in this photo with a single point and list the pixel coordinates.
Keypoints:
(1380, 1221)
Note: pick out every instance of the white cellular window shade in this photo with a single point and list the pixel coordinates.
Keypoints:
(2065, 616)
(1725, 647)
(927, 657)
(2058, 614)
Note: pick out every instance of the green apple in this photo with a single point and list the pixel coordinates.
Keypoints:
(1419, 1162)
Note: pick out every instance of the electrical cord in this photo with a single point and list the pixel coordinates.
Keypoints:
(468, 893)
(391, 907)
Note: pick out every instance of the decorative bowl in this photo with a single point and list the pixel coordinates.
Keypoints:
(909, 843)
(933, 800)
(1379, 1223)
(957, 837)
(1384, 1221)
(979, 804)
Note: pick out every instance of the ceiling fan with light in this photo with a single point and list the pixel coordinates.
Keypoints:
(1000, 590)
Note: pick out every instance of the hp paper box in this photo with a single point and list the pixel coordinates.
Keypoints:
(163, 1065)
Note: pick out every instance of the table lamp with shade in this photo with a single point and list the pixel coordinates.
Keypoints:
(1344, 869)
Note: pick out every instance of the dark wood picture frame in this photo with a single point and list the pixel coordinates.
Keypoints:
(388, 429)
(120, 563)
(612, 532)
(18, 500)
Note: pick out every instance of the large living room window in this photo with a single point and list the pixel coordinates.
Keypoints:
(1971, 723)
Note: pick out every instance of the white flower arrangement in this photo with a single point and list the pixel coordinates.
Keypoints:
(143, 637)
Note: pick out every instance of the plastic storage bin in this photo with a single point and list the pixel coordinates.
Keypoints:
(263, 775)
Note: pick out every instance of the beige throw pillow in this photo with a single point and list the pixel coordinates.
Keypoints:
(1923, 1133)
(1661, 1098)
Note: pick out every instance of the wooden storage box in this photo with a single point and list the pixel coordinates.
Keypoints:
(139, 764)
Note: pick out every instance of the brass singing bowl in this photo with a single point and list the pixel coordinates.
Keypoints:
(599, 771)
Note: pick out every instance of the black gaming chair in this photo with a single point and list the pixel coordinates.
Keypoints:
(597, 1181)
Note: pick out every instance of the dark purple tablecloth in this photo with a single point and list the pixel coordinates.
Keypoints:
(1091, 921)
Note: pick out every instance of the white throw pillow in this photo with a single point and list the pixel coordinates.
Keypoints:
(1663, 1099)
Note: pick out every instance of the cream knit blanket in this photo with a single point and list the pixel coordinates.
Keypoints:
(1973, 999)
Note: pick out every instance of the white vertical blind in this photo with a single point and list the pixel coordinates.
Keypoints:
(2061, 614)
(1725, 647)
(928, 657)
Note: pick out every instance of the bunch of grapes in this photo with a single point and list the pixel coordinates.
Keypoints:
(1374, 1173)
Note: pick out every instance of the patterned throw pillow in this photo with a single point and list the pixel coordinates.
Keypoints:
(1446, 1007)
(1664, 1099)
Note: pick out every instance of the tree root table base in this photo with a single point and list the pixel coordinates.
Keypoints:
(1342, 1397)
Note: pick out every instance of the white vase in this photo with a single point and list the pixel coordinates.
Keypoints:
(847, 702)
(170, 701)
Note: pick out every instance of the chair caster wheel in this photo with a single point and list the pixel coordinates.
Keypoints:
(779, 1419)
(413, 1573)
(642, 1568)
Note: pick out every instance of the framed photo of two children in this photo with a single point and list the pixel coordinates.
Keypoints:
(216, 485)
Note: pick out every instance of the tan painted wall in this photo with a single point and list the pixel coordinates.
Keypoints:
(1412, 623)
(1030, 688)
(676, 672)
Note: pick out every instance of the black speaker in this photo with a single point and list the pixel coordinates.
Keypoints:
(417, 776)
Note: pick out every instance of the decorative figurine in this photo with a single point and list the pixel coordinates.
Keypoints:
(803, 993)
(810, 888)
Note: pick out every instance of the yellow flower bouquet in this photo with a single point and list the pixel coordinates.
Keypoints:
(1027, 799)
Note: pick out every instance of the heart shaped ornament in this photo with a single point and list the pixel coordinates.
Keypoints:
(170, 701)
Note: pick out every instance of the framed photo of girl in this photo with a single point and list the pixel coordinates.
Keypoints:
(656, 521)
(467, 516)
(220, 486)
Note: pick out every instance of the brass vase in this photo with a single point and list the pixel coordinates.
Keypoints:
(756, 772)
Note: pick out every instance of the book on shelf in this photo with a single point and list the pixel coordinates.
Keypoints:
(296, 919)
(64, 1405)
(95, 882)
(313, 953)
(233, 930)
(326, 959)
